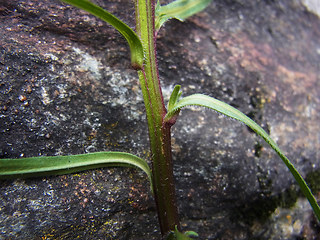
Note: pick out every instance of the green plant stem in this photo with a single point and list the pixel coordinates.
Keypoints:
(160, 136)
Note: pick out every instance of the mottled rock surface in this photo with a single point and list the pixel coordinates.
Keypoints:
(67, 88)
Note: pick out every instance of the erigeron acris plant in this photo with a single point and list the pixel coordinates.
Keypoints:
(150, 17)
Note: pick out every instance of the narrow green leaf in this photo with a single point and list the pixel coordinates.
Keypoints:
(137, 54)
(179, 9)
(177, 235)
(226, 109)
(174, 97)
(58, 165)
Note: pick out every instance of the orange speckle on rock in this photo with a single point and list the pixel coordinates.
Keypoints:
(22, 98)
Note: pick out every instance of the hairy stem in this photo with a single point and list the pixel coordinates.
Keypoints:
(160, 136)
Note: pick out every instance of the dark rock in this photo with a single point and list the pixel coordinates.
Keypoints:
(67, 88)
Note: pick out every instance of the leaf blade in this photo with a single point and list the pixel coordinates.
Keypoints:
(174, 97)
(136, 49)
(58, 165)
(179, 9)
(226, 109)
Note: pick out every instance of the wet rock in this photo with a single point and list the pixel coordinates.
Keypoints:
(67, 88)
